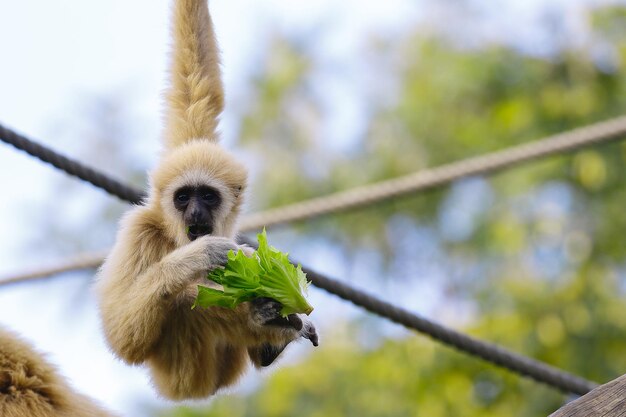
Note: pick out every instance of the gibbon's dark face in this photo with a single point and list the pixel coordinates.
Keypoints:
(198, 206)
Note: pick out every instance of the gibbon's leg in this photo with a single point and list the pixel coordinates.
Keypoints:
(194, 358)
(232, 364)
(203, 350)
(31, 387)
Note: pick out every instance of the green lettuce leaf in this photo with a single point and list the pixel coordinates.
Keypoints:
(267, 273)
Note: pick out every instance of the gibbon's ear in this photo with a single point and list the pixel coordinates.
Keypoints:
(195, 97)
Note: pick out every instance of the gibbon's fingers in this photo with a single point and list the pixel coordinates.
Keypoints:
(195, 97)
(247, 250)
(217, 249)
(264, 310)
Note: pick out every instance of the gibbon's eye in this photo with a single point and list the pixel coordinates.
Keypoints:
(182, 198)
(210, 197)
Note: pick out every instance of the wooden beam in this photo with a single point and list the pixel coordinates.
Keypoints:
(608, 400)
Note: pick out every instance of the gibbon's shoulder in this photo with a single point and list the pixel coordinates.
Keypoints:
(145, 221)
(141, 240)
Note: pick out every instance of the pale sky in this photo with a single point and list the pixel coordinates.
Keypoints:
(53, 53)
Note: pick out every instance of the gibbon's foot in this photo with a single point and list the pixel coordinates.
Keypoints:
(266, 354)
(266, 311)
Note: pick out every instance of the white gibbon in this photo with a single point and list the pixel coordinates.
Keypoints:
(31, 387)
(185, 228)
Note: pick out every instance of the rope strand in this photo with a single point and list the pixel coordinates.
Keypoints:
(490, 352)
(429, 178)
(70, 166)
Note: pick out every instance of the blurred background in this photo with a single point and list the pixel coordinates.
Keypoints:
(323, 96)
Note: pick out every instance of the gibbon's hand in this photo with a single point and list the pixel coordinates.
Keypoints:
(247, 250)
(217, 248)
(266, 311)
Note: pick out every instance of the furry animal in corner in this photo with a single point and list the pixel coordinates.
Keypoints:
(185, 228)
(31, 387)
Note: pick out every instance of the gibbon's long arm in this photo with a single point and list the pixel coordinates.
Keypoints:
(196, 95)
(31, 387)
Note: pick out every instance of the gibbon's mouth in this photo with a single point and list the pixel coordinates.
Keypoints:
(195, 231)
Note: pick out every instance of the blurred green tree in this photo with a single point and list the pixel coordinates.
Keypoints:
(536, 253)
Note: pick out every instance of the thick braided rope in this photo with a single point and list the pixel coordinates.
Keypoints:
(490, 352)
(495, 354)
(70, 166)
(423, 180)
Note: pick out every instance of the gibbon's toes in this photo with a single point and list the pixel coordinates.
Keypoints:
(295, 321)
(265, 309)
(309, 332)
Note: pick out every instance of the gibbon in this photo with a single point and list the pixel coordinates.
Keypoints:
(185, 228)
(31, 387)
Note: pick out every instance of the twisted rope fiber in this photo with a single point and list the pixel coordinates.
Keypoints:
(69, 166)
(430, 178)
(490, 352)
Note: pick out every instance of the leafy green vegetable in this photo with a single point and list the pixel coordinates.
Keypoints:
(267, 273)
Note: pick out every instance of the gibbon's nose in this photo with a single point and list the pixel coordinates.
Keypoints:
(196, 216)
(193, 214)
